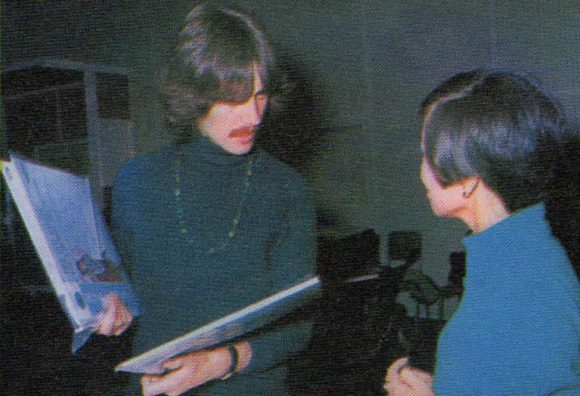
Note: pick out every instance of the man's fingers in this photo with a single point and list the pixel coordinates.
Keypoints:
(116, 318)
(167, 384)
(107, 321)
(124, 318)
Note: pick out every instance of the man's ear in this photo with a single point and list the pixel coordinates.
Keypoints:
(469, 185)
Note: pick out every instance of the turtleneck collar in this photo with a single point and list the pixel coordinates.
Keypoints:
(506, 239)
(516, 220)
(204, 149)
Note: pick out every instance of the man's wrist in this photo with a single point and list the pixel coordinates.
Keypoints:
(235, 358)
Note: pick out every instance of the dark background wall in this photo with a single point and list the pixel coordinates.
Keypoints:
(363, 65)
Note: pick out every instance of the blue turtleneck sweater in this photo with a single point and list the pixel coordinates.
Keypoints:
(517, 329)
(186, 268)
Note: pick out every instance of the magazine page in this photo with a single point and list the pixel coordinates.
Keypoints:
(72, 240)
(226, 328)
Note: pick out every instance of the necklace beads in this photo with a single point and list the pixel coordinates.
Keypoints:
(180, 212)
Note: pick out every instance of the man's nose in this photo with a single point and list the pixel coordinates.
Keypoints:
(254, 111)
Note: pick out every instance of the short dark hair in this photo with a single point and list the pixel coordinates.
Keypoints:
(499, 126)
(214, 59)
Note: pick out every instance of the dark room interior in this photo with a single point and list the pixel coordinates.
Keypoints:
(79, 92)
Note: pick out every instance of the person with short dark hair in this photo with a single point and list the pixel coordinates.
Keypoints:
(497, 156)
(211, 223)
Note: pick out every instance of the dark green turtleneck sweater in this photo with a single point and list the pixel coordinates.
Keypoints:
(185, 267)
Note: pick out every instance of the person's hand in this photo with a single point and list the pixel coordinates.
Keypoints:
(188, 371)
(116, 318)
(404, 380)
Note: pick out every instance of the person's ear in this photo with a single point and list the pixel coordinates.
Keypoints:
(469, 185)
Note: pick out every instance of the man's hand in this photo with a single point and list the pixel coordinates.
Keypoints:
(194, 369)
(404, 380)
(116, 318)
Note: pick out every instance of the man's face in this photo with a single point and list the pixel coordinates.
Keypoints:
(232, 126)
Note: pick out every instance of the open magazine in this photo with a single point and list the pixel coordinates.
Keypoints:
(227, 328)
(72, 240)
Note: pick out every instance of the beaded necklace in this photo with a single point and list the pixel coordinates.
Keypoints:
(183, 229)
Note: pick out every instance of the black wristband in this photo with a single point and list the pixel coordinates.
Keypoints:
(234, 364)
